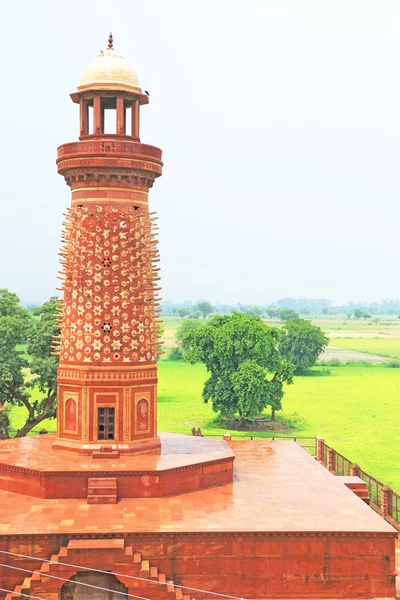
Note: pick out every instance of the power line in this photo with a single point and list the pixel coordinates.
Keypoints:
(184, 587)
(26, 595)
(90, 585)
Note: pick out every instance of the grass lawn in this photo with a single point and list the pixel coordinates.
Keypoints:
(356, 409)
(380, 347)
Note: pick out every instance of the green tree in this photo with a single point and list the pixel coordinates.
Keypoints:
(358, 313)
(349, 315)
(15, 326)
(272, 312)
(246, 370)
(182, 312)
(304, 311)
(18, 376)
(301, 343)
(325, 310)
(205, 308)
(176, 353)
(184, 327)
(253, 310)
(287, 313)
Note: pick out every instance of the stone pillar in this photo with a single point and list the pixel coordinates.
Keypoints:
(385, 493)
(102, 118)
(120, 116)
(227, 437)
(97, 115)
(320, 449)
(84, 117)
(331, 464)
(135, 119)
(355, 470)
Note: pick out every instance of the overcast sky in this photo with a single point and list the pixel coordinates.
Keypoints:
(280, 129)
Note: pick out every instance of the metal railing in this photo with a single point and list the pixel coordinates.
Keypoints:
(308, 443)
(343, 465)
(382, 498)
(374, 487)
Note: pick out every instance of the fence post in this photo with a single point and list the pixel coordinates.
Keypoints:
(355, 470)
(385, 492)
(320, 448)
(331, 465)
(227, 436)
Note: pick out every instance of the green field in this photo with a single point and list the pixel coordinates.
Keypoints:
(355, 409)
(379, 346)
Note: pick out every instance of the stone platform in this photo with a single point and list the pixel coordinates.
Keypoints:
(184, 463)
(284, 528)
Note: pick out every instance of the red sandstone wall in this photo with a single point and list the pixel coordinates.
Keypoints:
(252, 566)
(323, 566)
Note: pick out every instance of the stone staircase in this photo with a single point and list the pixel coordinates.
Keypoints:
(98, 554)
(356, 485)
(102, 490)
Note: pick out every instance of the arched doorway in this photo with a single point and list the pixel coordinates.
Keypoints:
(72, 590)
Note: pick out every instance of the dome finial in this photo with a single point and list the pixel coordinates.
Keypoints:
(110, 42)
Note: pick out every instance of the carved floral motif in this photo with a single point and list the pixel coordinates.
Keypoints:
(109, 295)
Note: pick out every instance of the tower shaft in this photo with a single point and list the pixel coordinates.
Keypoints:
(107, 377)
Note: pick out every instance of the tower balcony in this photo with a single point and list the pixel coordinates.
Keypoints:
(108, 146)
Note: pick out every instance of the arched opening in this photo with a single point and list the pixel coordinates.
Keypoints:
(70, 414)
(142, 415)
(112, 588)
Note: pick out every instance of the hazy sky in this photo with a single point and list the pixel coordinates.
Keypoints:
(280, 129)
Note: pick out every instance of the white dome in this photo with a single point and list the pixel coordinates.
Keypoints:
(109, 71)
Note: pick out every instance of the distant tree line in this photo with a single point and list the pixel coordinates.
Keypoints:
(302, 306)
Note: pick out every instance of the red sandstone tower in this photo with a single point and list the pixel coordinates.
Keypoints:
(107, 378)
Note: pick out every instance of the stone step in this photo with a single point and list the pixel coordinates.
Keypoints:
(115, 544)
(102, 490)
(102, 499)
(153, 572)
(145, 568)
(178, 593)
(101, 454)
(102, 480)
(137, 557)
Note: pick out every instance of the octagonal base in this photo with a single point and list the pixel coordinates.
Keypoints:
(183, 463)
(102, 450)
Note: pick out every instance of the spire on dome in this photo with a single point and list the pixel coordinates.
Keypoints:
(110, 42)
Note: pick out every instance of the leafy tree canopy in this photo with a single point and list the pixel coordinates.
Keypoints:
(182, 312)
(205, 308)
(184, 327)
(253, 310)
(287, 313)
(18, 376)
(301, 343)
(246, 370)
